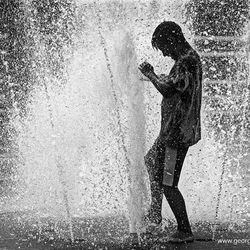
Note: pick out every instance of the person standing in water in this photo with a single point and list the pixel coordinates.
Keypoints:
(180, 124)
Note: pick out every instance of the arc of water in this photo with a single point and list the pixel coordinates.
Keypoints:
(134, 226)
(231, 210)
(111, 75)
(218, 199)
(128, 75)
(28, 7)
(60, 168)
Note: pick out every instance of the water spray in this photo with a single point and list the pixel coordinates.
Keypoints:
(216, 223)
(59, 166)
(134, 226)
(111, 76)
(233, 202)
(246, 96)
(58, 160)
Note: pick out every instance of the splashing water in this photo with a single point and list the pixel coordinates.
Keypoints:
(101, 131)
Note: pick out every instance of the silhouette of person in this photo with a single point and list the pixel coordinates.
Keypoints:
(180, 125)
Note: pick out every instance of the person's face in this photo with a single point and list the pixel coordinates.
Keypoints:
(168, 49)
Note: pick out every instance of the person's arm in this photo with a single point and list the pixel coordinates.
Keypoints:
(163, 76)
(181, 82)
(184, 76)
(162, 84)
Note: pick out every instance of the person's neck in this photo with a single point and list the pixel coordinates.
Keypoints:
(181, 51)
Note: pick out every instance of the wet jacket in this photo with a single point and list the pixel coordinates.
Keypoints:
(181, 104)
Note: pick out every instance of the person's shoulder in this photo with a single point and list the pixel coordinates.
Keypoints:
(191, 57)
(189, 61)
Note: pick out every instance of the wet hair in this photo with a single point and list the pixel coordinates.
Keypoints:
(164, 31)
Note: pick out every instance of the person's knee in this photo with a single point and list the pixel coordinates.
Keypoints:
(149, 163)
(169, 190)
(170, 186)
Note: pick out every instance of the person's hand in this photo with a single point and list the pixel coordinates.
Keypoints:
(146, 68)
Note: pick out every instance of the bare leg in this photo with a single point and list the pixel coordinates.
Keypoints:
(156, 203)
(153, 163)
(177, 204)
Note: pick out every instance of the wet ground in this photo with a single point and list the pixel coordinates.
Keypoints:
(26, 231)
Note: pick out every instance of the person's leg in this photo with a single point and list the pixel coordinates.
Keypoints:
(174, 196)
(177, 204)
(154, 160)
(154, 214)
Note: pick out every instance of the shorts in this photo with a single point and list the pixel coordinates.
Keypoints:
(164, 164)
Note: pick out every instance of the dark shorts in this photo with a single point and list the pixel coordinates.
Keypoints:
(164, 164)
